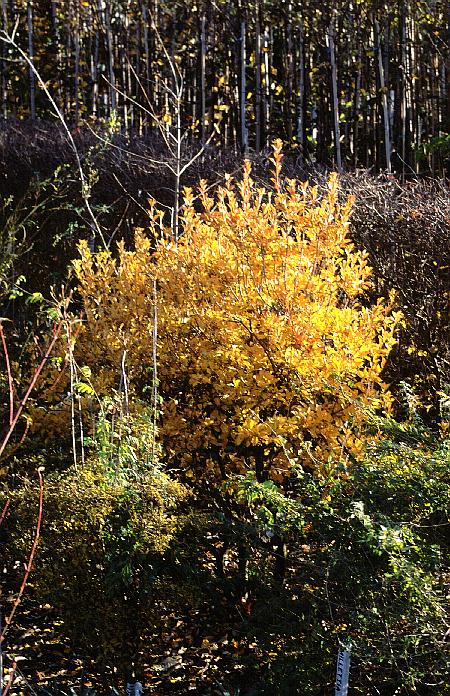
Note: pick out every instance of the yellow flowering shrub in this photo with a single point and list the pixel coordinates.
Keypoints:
(266, 347)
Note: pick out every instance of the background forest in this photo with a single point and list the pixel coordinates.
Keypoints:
(225, 347)
(360, 84)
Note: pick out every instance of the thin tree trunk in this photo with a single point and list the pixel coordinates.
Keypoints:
(417, 91)
(136, 115)
(4, 63)
(446, 75)
(404, 74)
(94, 74)
(357, 108)
(334, 87)
(147, 70)
(178, 166)
(301, 91)
(58, 54)
(289, 74)
(266, 92)
(390, 93)
(243, 100)
(128, 107)
(125, 88)
(31, 55)
(156, 84)
(77, 62)
(384, 100)
(146, 43)
(203, 78)
(257, 79)
(110, 58)
(67, 67)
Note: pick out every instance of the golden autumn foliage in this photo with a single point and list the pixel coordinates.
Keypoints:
(266, 347)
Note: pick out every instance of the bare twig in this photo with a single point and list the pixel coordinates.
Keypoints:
(12, 673)
(4, 511)
(29, 565)
(31, 386)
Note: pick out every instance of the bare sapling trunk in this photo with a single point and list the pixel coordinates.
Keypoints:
(334, 90)
(32, 77)
(266, 92)
(384, 97)
(243, 90)
(257, 80)
(203, 79)
(110, 52)
(77, 63)
(301, 92)
(4, 62)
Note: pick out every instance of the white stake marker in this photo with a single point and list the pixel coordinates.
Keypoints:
(342, 672)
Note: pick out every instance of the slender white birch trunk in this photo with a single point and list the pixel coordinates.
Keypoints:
(384, 98)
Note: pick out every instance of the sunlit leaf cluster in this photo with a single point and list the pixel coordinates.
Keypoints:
(266, 348)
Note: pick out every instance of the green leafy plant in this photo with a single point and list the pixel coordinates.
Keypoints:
(368, 564)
